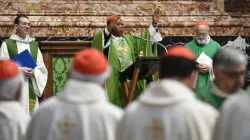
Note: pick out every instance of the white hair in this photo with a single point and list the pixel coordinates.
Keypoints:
(228, 58)
(99, 78)
(9, 87)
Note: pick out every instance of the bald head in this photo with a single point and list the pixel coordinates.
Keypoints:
(228, 58)
(202, 28)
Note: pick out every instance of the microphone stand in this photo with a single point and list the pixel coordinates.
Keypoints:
(164, 47)
(152, 41)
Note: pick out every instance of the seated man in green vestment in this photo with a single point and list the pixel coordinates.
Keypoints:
(203, 44)
(229, 67)
(123, 50)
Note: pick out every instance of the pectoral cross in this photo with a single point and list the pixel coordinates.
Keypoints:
(123, 48)
(156, 129)
(66, 124)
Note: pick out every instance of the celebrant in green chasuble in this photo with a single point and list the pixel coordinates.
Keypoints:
(122, 51)
(204, 49)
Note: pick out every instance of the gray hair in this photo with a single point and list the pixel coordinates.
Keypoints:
(9, 87)
(228, 58)
(99, 78)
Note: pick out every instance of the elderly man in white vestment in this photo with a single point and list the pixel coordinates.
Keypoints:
(234, 120)
(81, 111)
(35, 79)
(168, 109)
(13, 119)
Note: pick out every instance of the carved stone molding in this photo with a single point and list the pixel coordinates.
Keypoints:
(84, 18)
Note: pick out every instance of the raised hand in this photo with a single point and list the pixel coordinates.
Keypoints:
(156, 16)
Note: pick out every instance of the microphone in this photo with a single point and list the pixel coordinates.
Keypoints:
(67, 38)
(48, 39)
(164, 47)
(85, 38)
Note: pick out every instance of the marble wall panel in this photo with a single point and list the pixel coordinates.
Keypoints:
(85, 17)
(86, 31)
(242, 6)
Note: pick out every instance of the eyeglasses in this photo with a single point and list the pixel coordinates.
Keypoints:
(25, 24)
(234, 74)
(201, 34)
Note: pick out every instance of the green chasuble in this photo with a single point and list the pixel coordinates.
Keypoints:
(97, 41)
(13, 51)
(203, 80)
(122, 53)
(211, 98)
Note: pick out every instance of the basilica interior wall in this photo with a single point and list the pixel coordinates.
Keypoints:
(81, 19)
(85, 17)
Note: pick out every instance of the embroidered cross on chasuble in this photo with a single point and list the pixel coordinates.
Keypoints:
(155, 129)
(123, 53)
(66, 124)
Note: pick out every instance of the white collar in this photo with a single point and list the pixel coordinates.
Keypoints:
(14, 106)
(103, 38)
(82, 92)
(120, 38)
(26, 40)
(106, 31)
(218, 92)
(208, 39)
(166, 92)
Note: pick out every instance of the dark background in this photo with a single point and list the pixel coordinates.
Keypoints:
(237, 6)
(167, 40)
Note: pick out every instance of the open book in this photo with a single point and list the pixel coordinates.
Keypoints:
(204, 59)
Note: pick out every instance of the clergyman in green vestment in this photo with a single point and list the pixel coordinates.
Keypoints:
(35, 79)
(122, 51)
(229, 67)
(203, 44)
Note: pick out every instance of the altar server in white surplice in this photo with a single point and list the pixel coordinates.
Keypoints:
(81, 111)
(35, 79)
(234, 120)
(13, 119)
(168, 109)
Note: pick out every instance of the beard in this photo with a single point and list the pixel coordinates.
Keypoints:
(202, 40)
(116, 32)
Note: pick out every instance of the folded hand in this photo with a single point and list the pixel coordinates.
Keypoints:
(203, 68)
(28, 72)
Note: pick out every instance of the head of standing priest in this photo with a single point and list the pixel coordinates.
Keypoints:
(22, 26)
(10, 81)
(201, 32)
(185, 72)
(117, 27)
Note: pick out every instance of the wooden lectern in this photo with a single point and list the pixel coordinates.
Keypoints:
(58, 48)
(142, 68)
